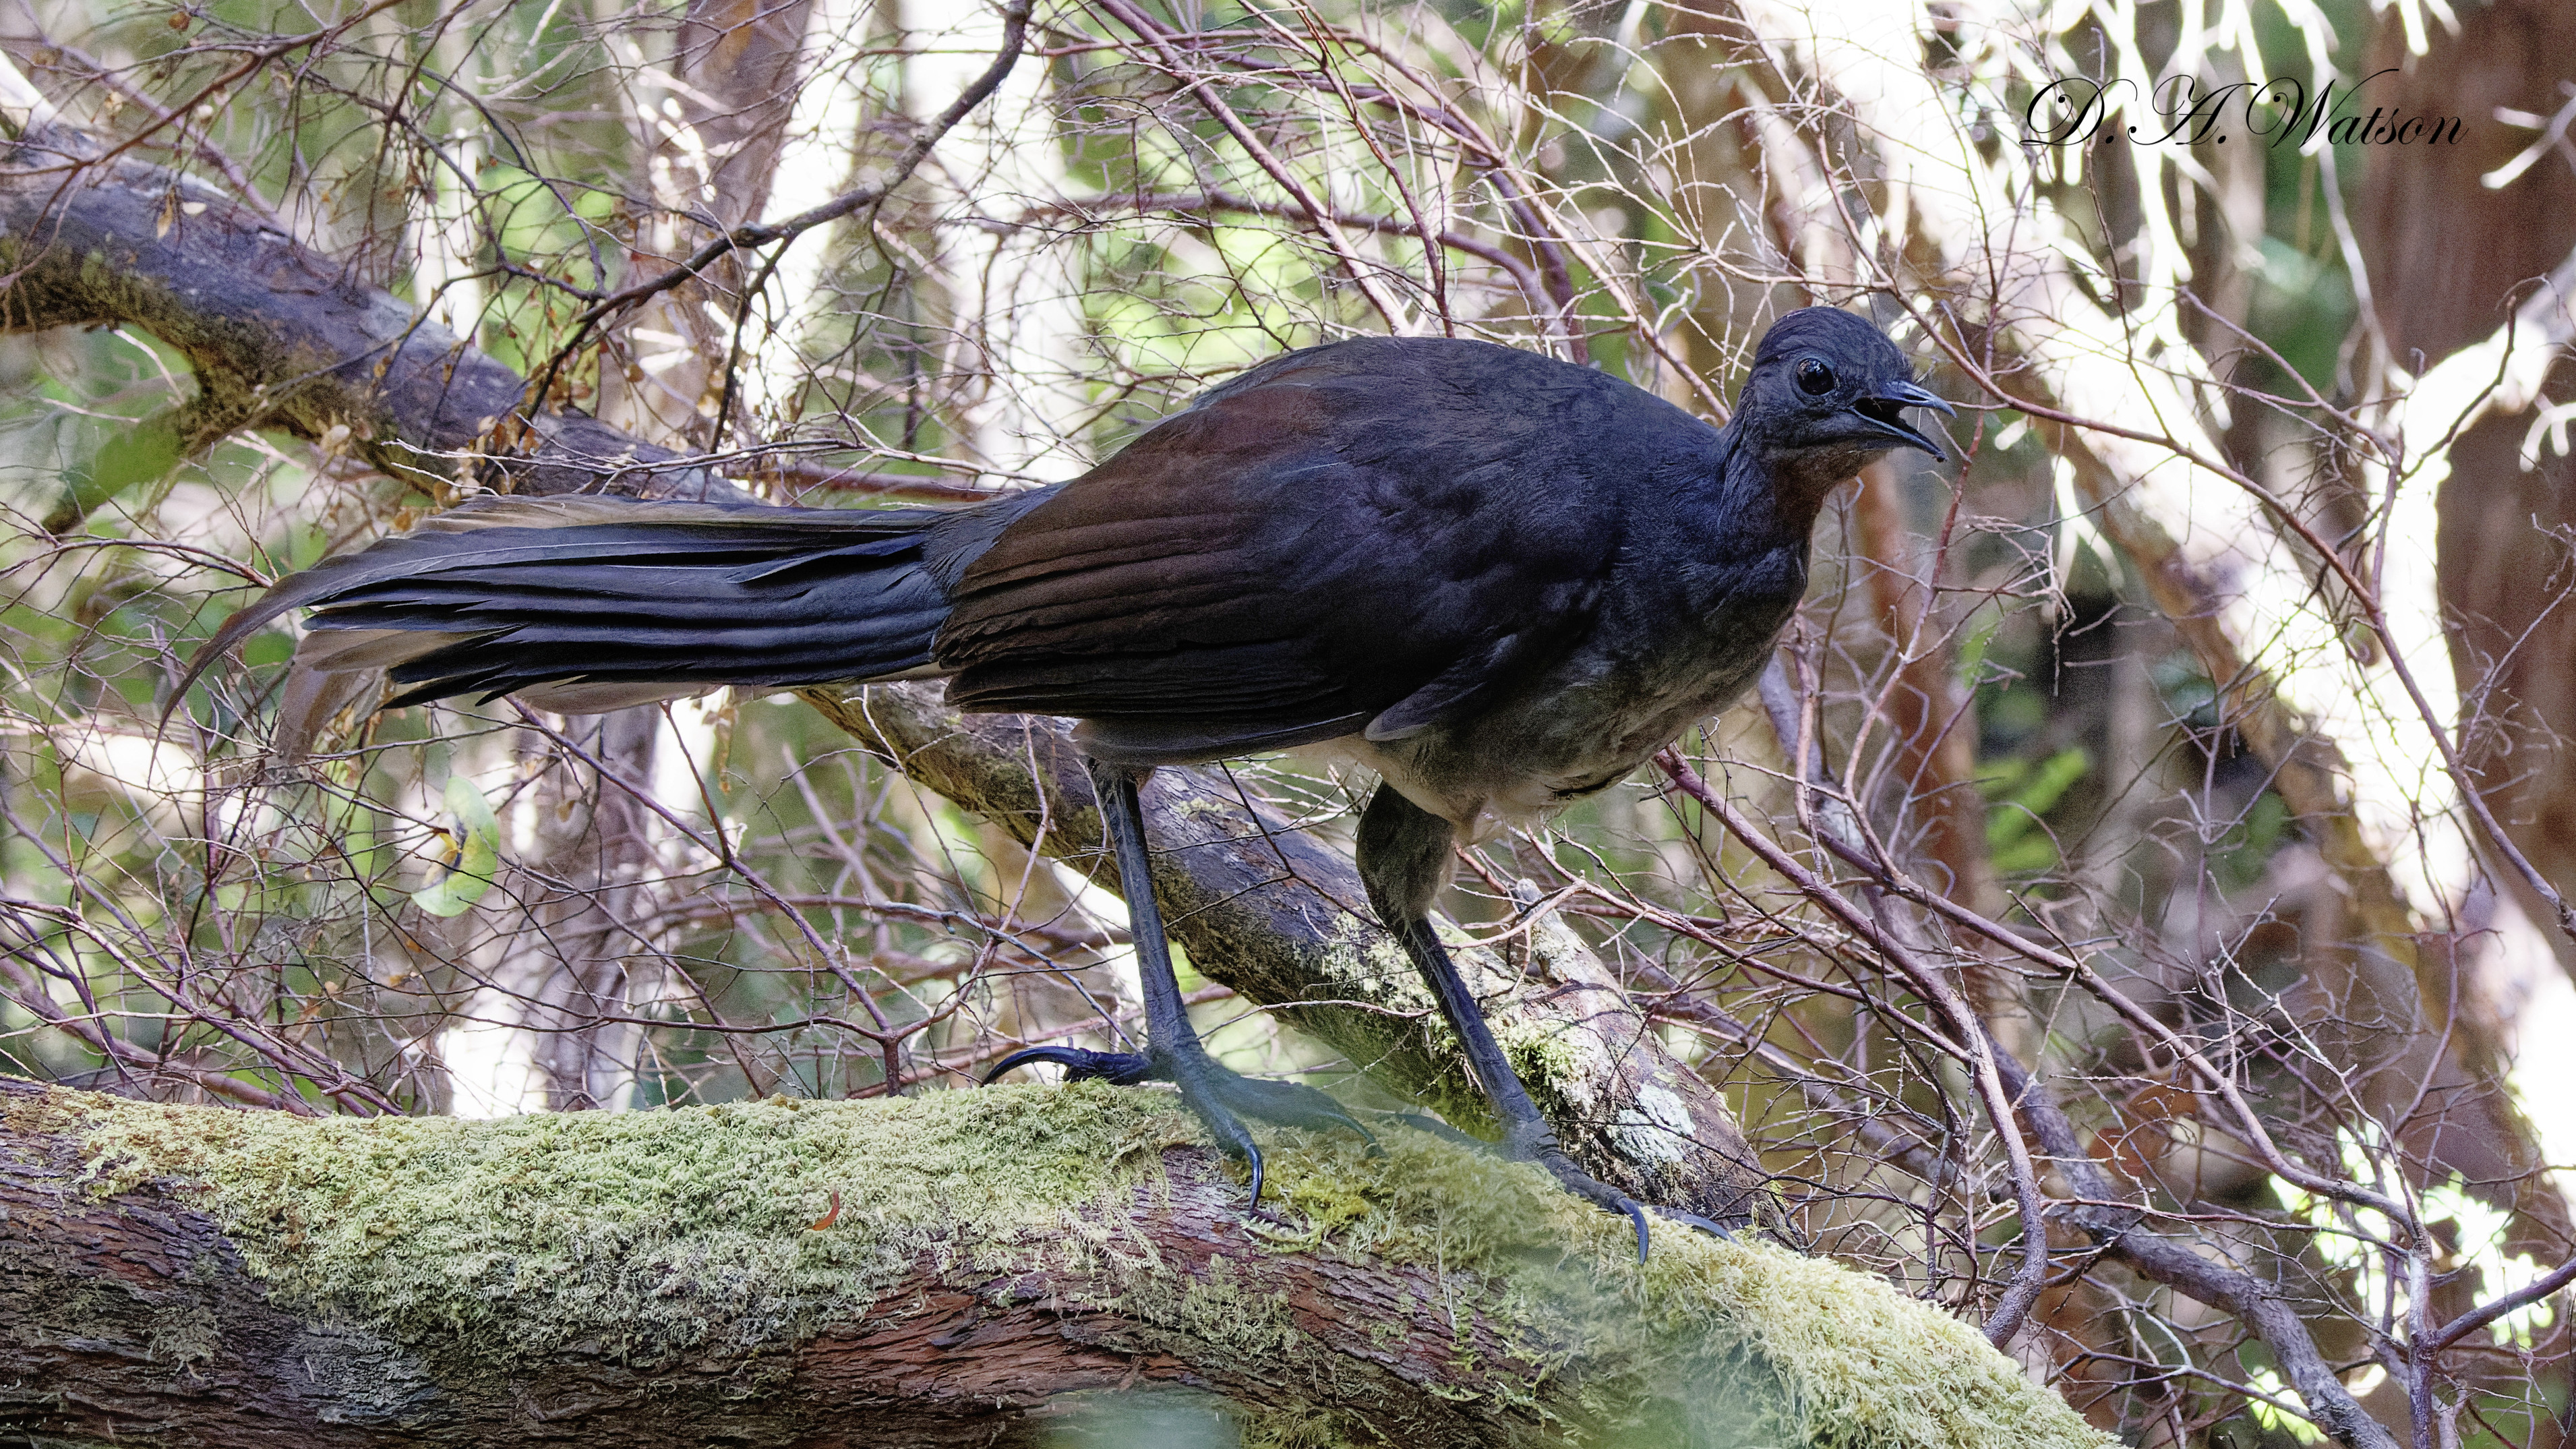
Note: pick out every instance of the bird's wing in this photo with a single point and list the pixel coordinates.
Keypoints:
(1372, 532)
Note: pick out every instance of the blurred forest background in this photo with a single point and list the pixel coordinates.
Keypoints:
(2202, 719)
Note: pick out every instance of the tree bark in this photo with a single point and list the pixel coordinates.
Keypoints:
(963, 1268)
(2503, 552)
(282, 338)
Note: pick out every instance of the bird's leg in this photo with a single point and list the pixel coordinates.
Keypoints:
(1173, 1052)
(1404, 860)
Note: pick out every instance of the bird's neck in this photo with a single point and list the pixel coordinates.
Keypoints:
(1746, 555)
(1802, 479)
(1770, 495)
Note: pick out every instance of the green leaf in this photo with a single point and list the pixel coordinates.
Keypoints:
(473, 853)
(140, 451)
(267, 649)
(2021, 795)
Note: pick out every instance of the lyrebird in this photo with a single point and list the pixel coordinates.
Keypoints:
(1498, 580)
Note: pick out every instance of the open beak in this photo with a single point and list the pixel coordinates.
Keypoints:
(1885, 407)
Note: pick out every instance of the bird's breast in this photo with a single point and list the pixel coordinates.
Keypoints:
(1582, 723)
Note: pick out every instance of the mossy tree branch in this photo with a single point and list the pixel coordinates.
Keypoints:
(996, 1261)
(281, 337)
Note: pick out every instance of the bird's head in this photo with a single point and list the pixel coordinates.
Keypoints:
(1827, 397)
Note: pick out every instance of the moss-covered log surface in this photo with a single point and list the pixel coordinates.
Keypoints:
(1001, 1264)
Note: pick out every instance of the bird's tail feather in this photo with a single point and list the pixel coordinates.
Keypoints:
(587, 604)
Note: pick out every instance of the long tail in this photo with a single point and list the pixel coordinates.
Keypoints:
(587, 604)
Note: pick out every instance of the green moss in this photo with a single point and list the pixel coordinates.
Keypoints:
(1541, 1056)
(641, 1235)
(636, 1235)
(1708, 1342)
(1372, 958)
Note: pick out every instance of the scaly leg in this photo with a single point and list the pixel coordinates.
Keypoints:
(1173, 1052)
(1404, 860)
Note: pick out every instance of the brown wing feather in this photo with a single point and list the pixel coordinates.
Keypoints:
(1303, 549)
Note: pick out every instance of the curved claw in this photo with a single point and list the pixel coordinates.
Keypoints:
(1594, 1191)
(1710, 1226)
(1347, 1121)
(1119, 1069)
(1223, 1098)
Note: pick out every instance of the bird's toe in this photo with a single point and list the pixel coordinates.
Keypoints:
(1710, 1226)
(1291, 1104)
(1596, 1192)
(1222, 1098)
(1119, 1069)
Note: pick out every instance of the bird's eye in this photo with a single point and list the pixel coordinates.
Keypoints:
(1815, 376)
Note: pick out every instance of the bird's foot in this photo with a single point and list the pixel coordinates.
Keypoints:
(1220, 1096)
(1442, 1130)
(1596, 1192)
(1533, 1141)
